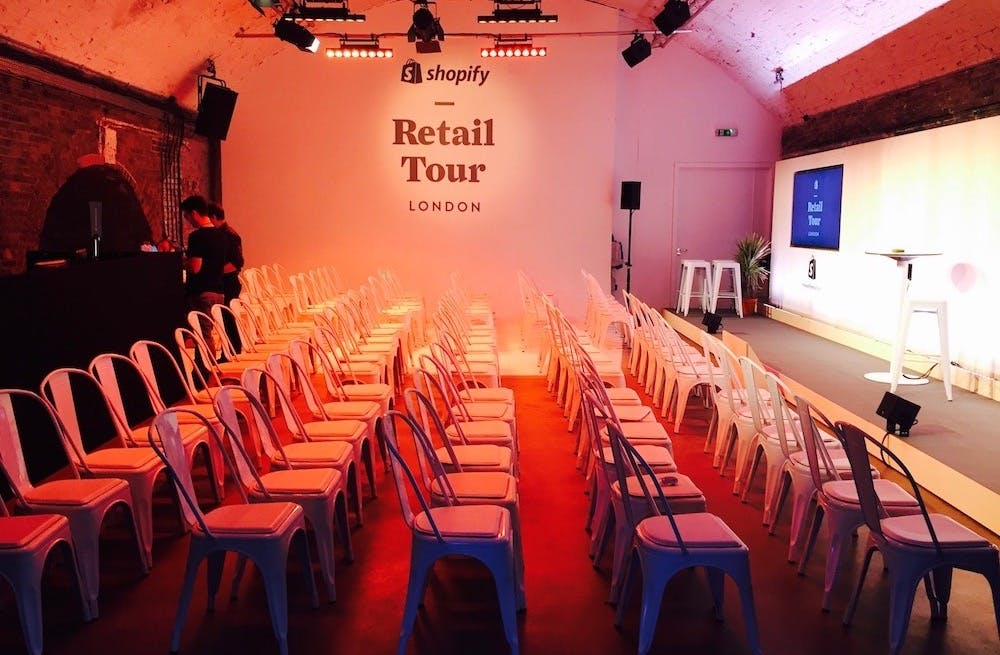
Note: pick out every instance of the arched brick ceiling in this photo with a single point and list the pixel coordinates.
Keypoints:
(831, 52)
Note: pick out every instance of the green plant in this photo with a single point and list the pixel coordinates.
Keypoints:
(752, 256)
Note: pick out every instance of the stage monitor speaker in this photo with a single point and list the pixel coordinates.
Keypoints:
(215, 111)
(674, 14)
(631, 191)
(712, 322)
(899, 414)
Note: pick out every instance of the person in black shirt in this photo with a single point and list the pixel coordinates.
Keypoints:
(231, 286)
(207, 254)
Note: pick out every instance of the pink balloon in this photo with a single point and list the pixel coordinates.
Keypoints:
(963, 276)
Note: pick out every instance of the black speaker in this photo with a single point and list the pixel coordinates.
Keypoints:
(215, 111)
(674, 14)
(712, 322)
(630, 194)
(899, 413)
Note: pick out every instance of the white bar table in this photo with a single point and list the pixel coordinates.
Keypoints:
(904, 265)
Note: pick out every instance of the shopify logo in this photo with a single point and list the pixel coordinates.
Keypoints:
(413, 73)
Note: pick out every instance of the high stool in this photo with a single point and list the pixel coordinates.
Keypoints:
(690, 268)
(720, 266)
(914, 306)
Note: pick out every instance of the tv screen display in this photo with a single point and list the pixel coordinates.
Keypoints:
(816, 200)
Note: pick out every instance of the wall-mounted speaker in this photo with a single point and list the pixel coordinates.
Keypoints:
(215, 111)
(675, 13)
(631, 191)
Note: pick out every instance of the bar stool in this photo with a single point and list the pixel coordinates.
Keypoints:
(689, 268)
(720, 266)
(921, 306)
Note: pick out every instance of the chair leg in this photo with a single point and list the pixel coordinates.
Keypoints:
(216, 560)
(343, 525)
(837, 539)
(28, 596)
(276, 589)
(741, 575)
(652, 596)
(366, 455)
(903, 589)
(420, 566)
(942, 591)
(779, 502)
(190, 573)
(717, 584)
(814, 527)
(504, 577)
(853, 604)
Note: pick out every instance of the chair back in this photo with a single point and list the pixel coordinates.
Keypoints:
(57, 387)
(253, 381)
(164, 438)
(275, 366)
(786, 423)
(753, 378)
(147, 353)
(419, 404)
(13, 469)
(308, 354)
(225, 408)
(199, 350)
(402, 475)
(241, 465)
(219, 314)
(821, 465)
(429, 386)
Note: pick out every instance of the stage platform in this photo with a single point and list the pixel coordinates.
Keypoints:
(954, 449)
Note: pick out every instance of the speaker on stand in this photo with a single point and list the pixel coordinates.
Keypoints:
(631, 192)
(215, 111)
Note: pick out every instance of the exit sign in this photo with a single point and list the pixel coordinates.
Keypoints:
(726, 131)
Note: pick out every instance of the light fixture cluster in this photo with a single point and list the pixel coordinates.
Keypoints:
(351, 48)
(514, 47)
(335, 11)
(518, 11)
(291, 32)
(425, 31)
(674, 14)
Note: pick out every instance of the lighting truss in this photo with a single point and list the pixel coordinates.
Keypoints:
(517, 46)
(518, 11)
(324, 11)
(359, 48)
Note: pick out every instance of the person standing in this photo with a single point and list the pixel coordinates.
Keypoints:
(231, 286)
(207, 253)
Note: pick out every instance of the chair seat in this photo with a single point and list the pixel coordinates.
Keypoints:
(837, 456)
(123, 459)
(361, 410)
(633, 413)
(889, 493)
(336, 453)
(495, 395)
(658, 457)
(474, 430)
(477, 455)
(487, 485)
(697, 530)
(341, 429)
(912, 530)
(301, 481)
(20, 531)
(674, 485)
(367, 391)
(641, 431)
(259, 518)
(486, 411)
(74, 492)
(204, 409)
(469, 521)
(623, 396)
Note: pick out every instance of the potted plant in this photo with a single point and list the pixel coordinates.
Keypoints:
(752, 256)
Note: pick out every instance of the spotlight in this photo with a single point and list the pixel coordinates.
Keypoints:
(637, 51)
(354, 48)
(518, 46)
(712, 322)
(675, 13)
(518, 11)
(292, 32)
(426, 28)
(899, 413)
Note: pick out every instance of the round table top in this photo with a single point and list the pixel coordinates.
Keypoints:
(901, 254)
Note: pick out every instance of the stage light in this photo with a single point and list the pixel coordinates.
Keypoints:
(364, 48)
(899, 414)
(323, 11)
(675, 13)
(426, 29)
(300, 37)
(712, 322)
(637, 51)
(517, 46)
(518, 11)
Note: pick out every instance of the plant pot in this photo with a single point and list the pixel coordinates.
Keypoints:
(749, 306)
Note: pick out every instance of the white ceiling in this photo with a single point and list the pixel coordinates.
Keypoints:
(876, 45)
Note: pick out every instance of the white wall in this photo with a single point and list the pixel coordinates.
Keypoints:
(312, 176)
(934, 191)
(668, 109)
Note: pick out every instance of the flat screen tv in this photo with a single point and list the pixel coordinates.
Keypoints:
(816, 201)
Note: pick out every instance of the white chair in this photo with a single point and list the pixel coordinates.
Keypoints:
(919, 306)
(85, 502)
(689, 270)
(665, 544)
(719, 268)
(25, 544)
(482, 532)
(924, 546)
(262, 532)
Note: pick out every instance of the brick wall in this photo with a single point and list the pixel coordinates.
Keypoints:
(964, 95)
(48, 122)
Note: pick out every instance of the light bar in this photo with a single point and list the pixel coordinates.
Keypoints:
(359, 49)
(518, 11)
(508, 48)
(338, 13)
